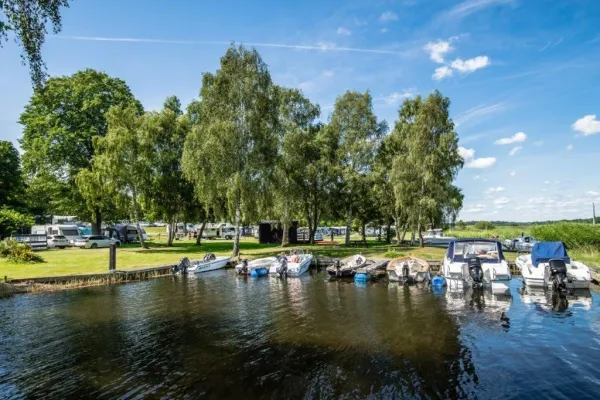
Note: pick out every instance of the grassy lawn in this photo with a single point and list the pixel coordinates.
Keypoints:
(86, 261)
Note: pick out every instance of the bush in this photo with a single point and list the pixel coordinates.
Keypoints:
(460, 225)
(484, 225)
(574, 235)
(18, 252)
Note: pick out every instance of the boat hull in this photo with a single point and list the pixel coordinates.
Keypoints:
(534, 276)
(256, 268)
(413, 277)
(205, 266)
(293, 269)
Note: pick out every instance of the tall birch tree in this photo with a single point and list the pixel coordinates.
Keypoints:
(233, 148)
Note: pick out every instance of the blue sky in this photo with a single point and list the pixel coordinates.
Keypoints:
(523, 75)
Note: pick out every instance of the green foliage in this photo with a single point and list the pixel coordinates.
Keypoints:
(27, 21)
(12, 221)
(574, 235)
(425, 162)
(16, 252)
(60, 124)
(393, 253)
(460, 224)
(484, 225)
(11, 178)
(231, 150)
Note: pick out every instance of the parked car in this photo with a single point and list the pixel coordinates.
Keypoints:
(57, 241)
(93, 242)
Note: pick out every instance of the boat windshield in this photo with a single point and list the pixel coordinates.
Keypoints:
(464, 250)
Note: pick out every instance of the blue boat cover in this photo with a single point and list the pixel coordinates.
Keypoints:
(545, 251)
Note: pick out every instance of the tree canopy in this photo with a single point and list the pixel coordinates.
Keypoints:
(11, 178)
(27, 20)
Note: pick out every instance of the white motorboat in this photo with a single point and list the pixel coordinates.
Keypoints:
(476, 263)
(294, 264)
(254, 268)
(347, 266)
(494, 304)
(549, 265)
(523, 243)
(209, 263)
(408, 269)
(435, 237)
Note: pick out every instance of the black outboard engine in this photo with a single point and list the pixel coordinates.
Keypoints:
(210, 257)
(557, 274)
(181, 267)
(338, 267)
(475, 272)
(405, 272)
(244, 269)
(282, 269)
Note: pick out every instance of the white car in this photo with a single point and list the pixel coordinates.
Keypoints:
(95, 241)
(57, 241)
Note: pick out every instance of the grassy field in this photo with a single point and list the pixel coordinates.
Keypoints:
(87, 261)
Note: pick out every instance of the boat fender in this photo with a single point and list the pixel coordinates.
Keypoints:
(438, 281)
(361, 277)
(254, 273)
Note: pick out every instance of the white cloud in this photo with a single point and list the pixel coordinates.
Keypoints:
(538, 143)
(569, 147)
(495, 190)
(547, 182)
(328, 73)
(499, 207)
(502, 200)
(383, 30)
(441, 73)
(518, 137)
(306, 86)
(388, 16)
(478, 163)
(478, 111)
(343, 31)
(513, 173)
(437, 50)
(395, 97)
(514, 150)
(592, 193)
(468, 7)
(477, 208)
(587, 125)
(476, 177)
(470, 65)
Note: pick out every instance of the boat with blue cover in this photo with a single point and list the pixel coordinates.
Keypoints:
(549, 265)
(255, 268)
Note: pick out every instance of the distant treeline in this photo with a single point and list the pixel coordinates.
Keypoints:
(512, 223)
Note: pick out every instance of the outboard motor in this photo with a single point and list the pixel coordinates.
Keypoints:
(557, 274)
(244, 269)
(475, 272)
(182, 267)
(282, 269)
(405, 272)
(210, 257)
(338, 267)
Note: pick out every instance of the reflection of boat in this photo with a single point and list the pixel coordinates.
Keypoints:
(494, 304)
(549, 265)
(208, 263)
(259, 267)
(552, 300)
(347, 266)
(408, 269)
(294, 264)
(476, 263)
(434, 237)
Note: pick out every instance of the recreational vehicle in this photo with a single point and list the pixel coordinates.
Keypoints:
(71, 232)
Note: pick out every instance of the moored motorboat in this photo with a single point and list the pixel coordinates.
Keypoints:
(408, 269)
(476, 263)
(294, 264)
(435, 237)
(210, 262)
(549, 265)
(255, 268)
(551, 300)
(347, 267)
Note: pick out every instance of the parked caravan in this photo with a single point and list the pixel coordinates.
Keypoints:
(71, 232)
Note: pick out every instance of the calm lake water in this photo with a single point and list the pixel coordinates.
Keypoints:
(221, 336)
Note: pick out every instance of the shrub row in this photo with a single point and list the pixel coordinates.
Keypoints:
(574, 235)
(18, 252)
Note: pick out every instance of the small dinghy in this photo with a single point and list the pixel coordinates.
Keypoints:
(408, 269)
(294, 264)
(347, 267)
(209, 263)
(255, 268)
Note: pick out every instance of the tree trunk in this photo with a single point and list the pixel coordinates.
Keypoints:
(97, 224)
(136, 216)
(420, 233)
(388, 234)
(363, 233)
(405, 229)
(315, 222)
(170, 232)
(285, 241)
(238, 220)
(200, 232)
(348, 225)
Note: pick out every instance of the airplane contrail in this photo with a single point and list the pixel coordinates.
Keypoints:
(319, 47)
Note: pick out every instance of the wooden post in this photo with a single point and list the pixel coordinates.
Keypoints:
(112, 257)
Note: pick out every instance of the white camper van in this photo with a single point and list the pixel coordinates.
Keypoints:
(71, 232)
